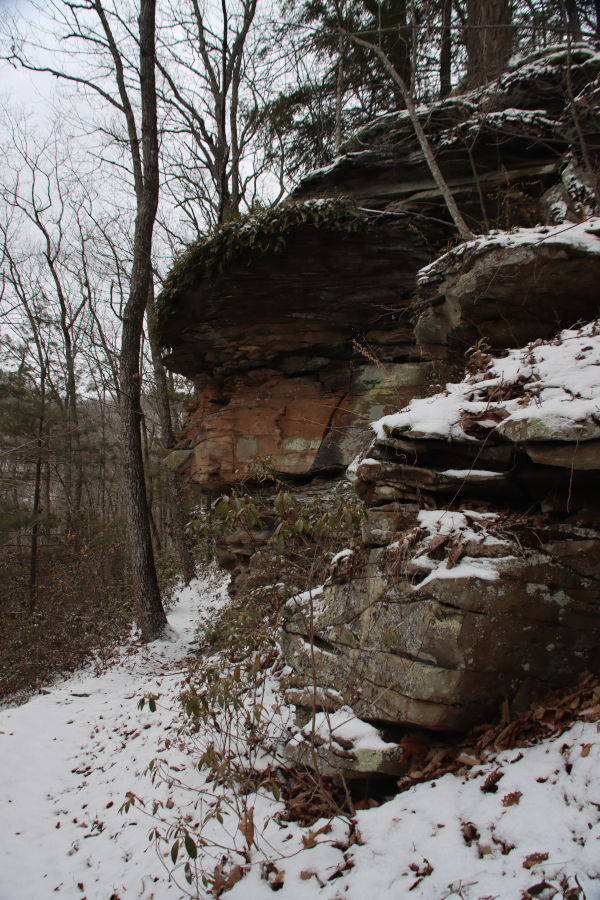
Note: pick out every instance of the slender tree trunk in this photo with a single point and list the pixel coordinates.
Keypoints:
(174, 491)
(414, 48)
(339, 94)
(150, 611)
(156, 541)
(430, 159)
(446, 49)
(47, 491)
(488, 39)
(33, 547)
(74, 462)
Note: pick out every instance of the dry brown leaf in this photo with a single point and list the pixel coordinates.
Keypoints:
(310, 840)
(272, 875)
(490, 785)
(454, 554)
(470, 832)
(345, 866)
(467, 760)
(246, 826)
(423, 870)
(236, 874)
(534, 859)
(512, 799)
(585, 749)
(436, 541)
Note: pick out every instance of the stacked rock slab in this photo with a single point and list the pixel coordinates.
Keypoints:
(295, 324)
(504, 150)
(479, 575)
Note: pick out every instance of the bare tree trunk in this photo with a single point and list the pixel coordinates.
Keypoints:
(435, 170)
(222, 142)
(33, 547)
(488, 39)
(446, 49)
(74, 436)
(175, 494)
(339, 94)
(156, 541)
(150, 611)
(573, 21)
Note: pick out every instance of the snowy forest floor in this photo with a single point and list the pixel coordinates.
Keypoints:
(525, 823)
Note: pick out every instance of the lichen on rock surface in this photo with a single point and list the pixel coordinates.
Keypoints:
(482, 576)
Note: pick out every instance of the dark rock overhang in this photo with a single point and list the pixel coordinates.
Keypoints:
(493, 143)
(291, 288)
(299, 301)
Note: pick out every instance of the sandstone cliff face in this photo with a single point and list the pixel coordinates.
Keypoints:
(296, 325)
(479, 575)
(477, 578)
(279, 349)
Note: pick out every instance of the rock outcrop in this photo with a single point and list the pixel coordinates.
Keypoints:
(479, 575)
(295, 323)
(500, 148)
(285, 367)
(477, 581)
(506, 290)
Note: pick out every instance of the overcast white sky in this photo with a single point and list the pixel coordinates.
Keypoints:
(29, 91)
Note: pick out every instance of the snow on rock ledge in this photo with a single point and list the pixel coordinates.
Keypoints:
(508, 288)
(479, 575)
(547, 391)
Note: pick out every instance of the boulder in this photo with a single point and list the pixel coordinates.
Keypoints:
(479, 577)
(507, 289)
(340, 744)
(441, 626)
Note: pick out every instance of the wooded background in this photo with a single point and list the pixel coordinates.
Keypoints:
(157, 125)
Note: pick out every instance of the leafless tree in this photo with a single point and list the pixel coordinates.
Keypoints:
(213, 74)
(41, 199)
(121, 73)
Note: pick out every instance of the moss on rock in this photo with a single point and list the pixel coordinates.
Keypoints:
(242, 239)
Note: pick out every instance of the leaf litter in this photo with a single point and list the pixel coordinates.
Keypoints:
(78, 752)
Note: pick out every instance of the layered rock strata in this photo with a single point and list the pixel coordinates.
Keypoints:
(500, 148)
(479, 575)
(290, 368)
(477, 579)
(294, 324)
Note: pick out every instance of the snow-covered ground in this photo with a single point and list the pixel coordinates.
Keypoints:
(70, 755)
